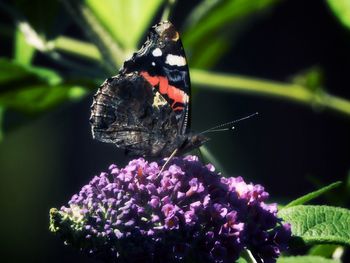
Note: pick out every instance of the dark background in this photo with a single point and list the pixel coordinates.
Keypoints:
(44, 162)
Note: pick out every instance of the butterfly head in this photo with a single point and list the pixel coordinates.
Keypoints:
(166, 31)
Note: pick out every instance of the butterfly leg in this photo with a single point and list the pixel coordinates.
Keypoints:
(167, 161)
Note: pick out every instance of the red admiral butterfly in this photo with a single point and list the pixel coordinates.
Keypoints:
(145, 109)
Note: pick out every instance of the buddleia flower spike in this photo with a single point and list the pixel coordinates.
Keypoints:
(189, 213)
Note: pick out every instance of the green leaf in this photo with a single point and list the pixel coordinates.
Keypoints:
(211, 52)
(200, 11)
(115, 27)
(32, 89)
(318, 224)
(341, 9)
(37, 98)
(112, 53)
(23, 51)
(13, 72)
(323, 250)
(241, 260)
(312, 78)
(125, 20)
(219, 15)
(217, 19)
(310, 196)
(306, 259)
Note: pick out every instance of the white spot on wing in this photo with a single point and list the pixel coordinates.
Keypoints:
(157, 52)
(174, 60)
(153, 63)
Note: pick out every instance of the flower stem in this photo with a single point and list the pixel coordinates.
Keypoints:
(248, 256)
(287, 91)
(210, 157)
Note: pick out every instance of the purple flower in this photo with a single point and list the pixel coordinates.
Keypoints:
(188, 213)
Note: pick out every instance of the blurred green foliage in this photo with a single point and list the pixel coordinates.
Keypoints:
(32, 89)
(341, 9)
(125, 21)
(219, 20)
(115, 29)
(112, 30)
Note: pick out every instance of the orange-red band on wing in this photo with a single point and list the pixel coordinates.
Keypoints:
(152, 80)
(177, 95)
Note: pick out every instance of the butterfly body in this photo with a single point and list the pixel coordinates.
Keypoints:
(145, 109)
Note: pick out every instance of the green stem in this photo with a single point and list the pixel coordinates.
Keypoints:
(113, 55)
(287, 91)
(248, 256)
(76, 47)
(2, 111)
(167, 9)
(210, 157)
(230, 82)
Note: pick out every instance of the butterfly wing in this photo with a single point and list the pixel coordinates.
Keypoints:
(130, 113)
(162, 62)
(145, 109)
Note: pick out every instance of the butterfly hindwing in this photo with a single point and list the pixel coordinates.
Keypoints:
(130, 113)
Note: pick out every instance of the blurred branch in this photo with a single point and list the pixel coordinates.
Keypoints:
(33, 38)
(48, 48)
(77, 47)
(210, 17)
(230, 82)
(167, 9)
(111, 52)
(202, 9)
(287, 91)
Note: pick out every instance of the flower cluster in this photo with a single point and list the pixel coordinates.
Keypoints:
(187, 213)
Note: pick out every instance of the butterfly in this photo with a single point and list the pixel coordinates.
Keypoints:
(145, 109)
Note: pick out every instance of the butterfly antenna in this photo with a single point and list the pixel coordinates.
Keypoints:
(223, 127)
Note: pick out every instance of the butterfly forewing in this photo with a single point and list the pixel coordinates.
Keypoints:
(162, 62)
